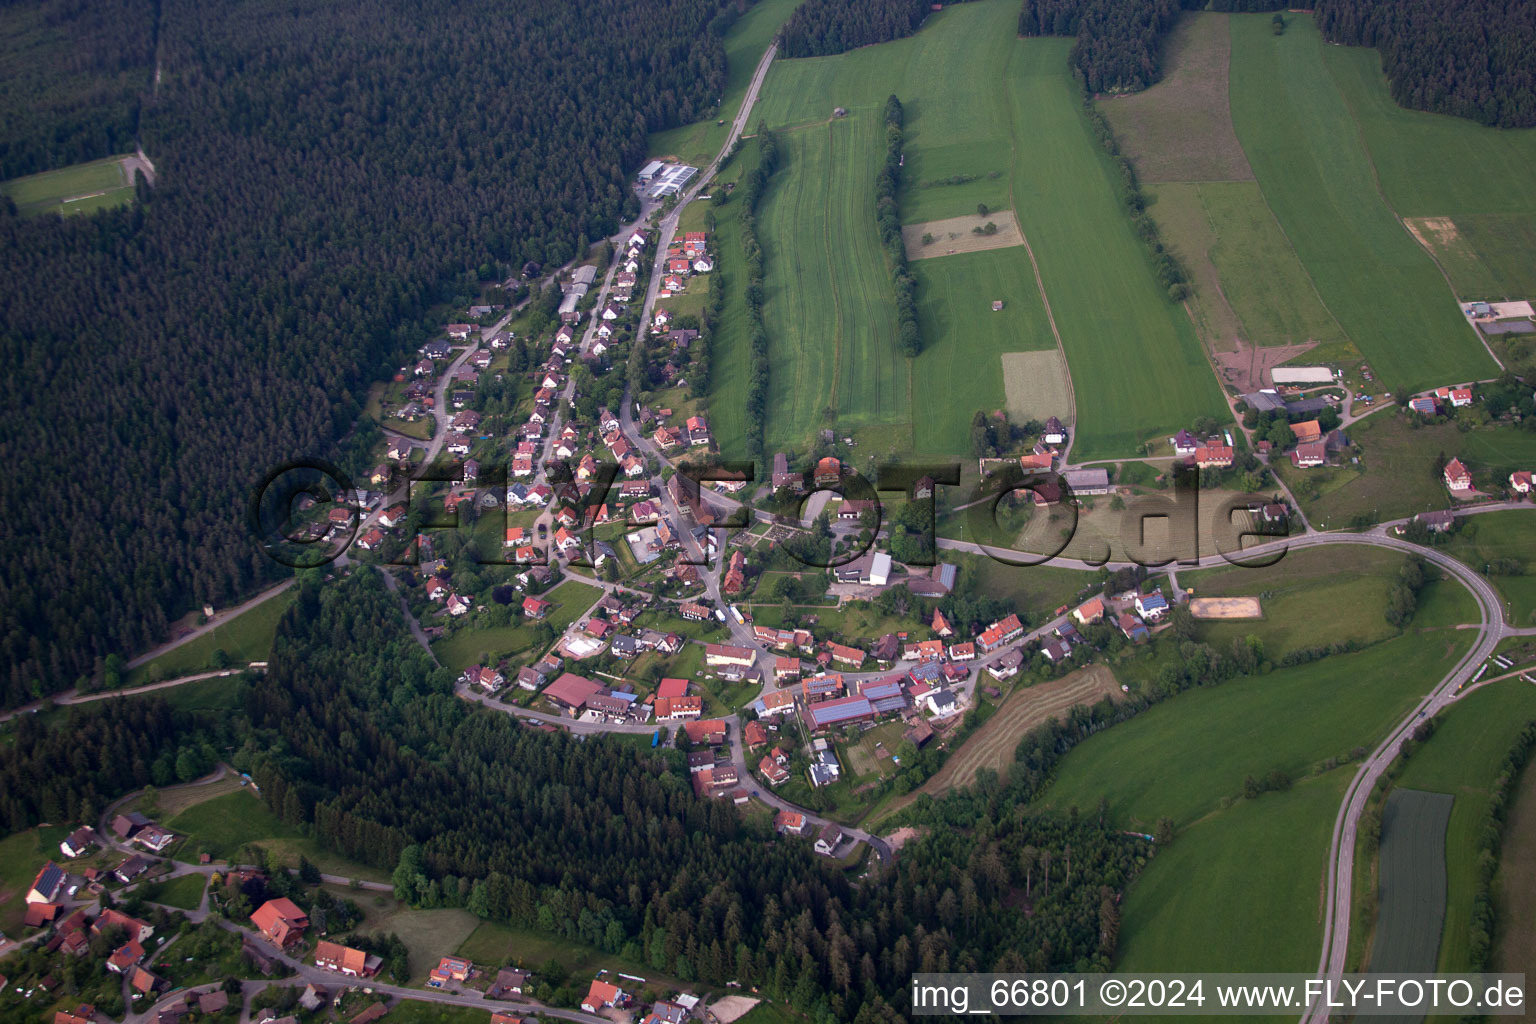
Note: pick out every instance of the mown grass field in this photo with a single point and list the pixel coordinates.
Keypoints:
(1434, 165)
(829, 303)
(1303, 143)
(1185, 756)
(222, 825)
(1320, 596)
(103, 181)
(1249, 284)
(1240, 890)
(1461, 759)
(245, 638)
(990, 105)
(427, 934)
(745, 44)
(1180, 129)
(730, 356)
(962, 335)
(1412, 891)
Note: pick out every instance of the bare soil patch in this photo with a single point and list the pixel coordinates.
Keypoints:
(732, 1008)
(1181, 128)
(1226, 608)
(1247, 366)
(957, 234)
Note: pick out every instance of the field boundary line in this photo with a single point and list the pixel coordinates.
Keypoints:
(837, 293)
(1045, 300)
(1381, 193)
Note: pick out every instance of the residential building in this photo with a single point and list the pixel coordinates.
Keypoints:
(281, 920)
(1457, 476)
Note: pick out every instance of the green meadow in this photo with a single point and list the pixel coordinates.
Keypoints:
(1005, 113)
(1304, 144)
(1462, 758)
(1437, 166)
(80, 188)
(1183, 757)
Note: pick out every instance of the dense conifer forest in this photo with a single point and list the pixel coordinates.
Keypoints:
(326, 173)
(819, 28)
(604, 841)
(1472, 58)
(73, 74)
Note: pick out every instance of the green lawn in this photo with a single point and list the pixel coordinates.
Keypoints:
(60, 191)
(1503, 535)
(224, 824)
(1437, 166)
(1461, 758)
(20, 857)
(184, 891)
(1185, 756)
(471, 646)
(745, 43)
(1299, 134)
(245, 638)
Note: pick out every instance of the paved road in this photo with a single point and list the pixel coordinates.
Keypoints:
(76, 697)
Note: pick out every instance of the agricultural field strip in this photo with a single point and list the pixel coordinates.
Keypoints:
(1412, 856)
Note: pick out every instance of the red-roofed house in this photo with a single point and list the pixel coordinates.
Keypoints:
(1520, 481)
(1089, 611)
(601, 996)
(1457, 476)
(280, 920)
(1213, 455)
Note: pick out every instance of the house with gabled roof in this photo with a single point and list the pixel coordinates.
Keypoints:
(1457, 476)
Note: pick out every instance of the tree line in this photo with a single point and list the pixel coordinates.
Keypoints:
(754, 184)
(888, 216)
(819, 28)
(605, 843)
(326, 177)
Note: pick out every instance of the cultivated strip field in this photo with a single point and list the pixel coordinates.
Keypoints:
(1304, 145)
(1181, 128)
(961, 234)
(1412, 881)
(992, 745)
(1037, 386)
(1137, 366)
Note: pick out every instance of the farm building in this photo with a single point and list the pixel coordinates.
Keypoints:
(1301, 375)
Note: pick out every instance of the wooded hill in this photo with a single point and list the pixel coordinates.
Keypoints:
(604, 842)
(326, 174)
